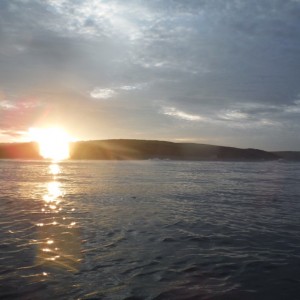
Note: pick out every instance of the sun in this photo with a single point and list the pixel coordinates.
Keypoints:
(53, 142)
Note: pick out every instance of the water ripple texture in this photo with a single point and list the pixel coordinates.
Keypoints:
(149, 230)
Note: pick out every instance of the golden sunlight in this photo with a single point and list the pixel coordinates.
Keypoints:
(53, 142)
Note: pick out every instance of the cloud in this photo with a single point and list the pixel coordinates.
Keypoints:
(98, 93)
(293, 108)
(12, 134)
(17, 116)
(224, 66)
(233, 115)
(173, 112)
(6, 105)
(100, 18)
(128, 87)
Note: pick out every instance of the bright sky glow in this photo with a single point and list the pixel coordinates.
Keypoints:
(227, 72)
(53, 142)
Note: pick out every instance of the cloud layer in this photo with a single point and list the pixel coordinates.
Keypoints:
(214, 71)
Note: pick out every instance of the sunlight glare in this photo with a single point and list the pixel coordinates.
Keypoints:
(54, 169)
(53, 142)
(54, 192)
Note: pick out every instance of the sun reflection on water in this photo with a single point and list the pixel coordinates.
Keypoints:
(54, 169)
(58, 233)
(54, 193)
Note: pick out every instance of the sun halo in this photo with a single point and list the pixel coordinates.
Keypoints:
(53, 142)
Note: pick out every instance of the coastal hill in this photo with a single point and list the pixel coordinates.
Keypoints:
(288, 155)
(19, 151)
(146, 149)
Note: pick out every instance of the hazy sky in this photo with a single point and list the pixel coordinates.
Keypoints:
(224, 72)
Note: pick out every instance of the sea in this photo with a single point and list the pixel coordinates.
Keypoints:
(149, 230)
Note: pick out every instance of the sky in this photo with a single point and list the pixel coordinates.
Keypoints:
(222, 72)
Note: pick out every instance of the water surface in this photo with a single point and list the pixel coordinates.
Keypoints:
(149, 230)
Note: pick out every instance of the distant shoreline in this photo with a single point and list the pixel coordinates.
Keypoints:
(126, 149)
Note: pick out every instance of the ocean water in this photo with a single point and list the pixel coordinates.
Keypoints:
(149, 230)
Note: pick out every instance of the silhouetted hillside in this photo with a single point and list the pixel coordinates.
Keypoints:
(289, 155)
(19, 150)
(145, 149)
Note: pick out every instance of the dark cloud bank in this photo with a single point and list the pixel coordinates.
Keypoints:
(217, 72)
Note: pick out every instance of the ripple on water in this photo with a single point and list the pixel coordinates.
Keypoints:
(148, 230)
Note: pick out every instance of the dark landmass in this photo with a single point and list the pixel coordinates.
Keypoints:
(288, 155)
(19, 151)
(146, 149)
